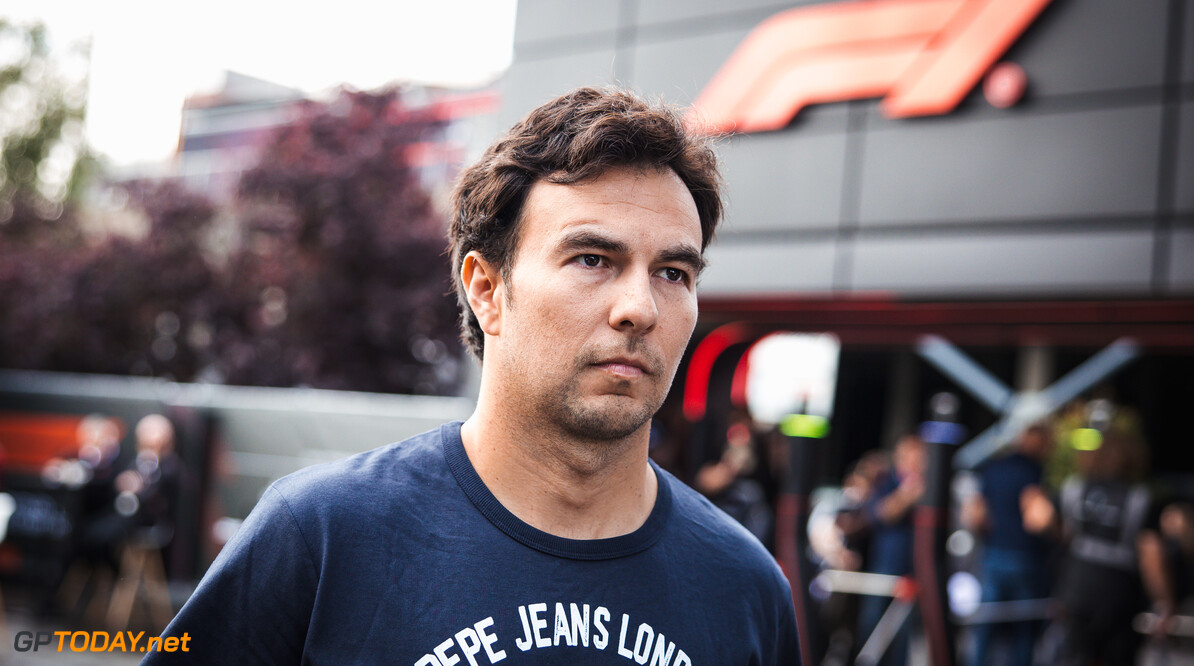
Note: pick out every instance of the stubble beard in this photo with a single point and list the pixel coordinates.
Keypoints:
(597, 423)
(601, 419)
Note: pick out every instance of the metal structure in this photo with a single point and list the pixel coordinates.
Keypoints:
(1019, 410)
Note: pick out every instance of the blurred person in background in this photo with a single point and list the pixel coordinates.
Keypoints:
(851, 520)
(1106, 519)
(91, 556)
(1014, 559)
(94, 464)
(732, 482)
(1177, 533)
(149, 491)
(99, 451)
(889, 515)
(538, 531)
(1099, 412)
(139, 499)
(839, 535)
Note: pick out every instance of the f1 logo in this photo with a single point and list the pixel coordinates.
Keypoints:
(922, 56)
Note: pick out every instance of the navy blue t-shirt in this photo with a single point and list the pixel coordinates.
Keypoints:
(891, 543)
(401, 555)
(1003, 480)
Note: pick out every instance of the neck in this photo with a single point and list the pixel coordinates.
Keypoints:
(566, 487)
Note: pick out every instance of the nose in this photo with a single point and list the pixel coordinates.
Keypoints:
(634, 307)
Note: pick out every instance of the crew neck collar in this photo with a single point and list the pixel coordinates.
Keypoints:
(578, 549)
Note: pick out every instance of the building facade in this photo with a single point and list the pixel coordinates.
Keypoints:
(1032, 236)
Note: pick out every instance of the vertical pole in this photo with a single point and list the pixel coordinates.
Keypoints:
(803, 435)
(942, 436)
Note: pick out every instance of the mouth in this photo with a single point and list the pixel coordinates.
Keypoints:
(623, 366)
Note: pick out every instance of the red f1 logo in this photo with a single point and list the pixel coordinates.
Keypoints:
(922, 56)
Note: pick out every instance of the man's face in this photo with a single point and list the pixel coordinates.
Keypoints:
(909, 458)
(600, 301)
(1035, 443)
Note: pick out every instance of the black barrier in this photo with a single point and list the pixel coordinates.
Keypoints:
(930, 528)
(803, 434)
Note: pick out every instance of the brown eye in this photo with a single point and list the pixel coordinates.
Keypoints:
(591, 260)
(673, 275)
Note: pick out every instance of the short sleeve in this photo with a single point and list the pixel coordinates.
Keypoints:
(787, 646)
(254, 605)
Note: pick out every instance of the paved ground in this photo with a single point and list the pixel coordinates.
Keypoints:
(18, 622)
(17, 617)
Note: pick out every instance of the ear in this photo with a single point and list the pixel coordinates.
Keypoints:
(483, 284)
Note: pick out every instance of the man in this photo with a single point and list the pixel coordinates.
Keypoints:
(888, 513)
(538, 531)
(1106, 518)
(1014, 560)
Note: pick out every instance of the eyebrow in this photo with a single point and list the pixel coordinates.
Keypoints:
(684, 254)
(587, 240)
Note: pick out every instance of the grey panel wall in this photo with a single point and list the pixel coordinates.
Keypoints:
(561, 20)
(536, 81)
(654, 12)
(790, 267)
(1188, 44)
(1181, 259)
(1184, 191)
(1018, 165)
(1081, 263)
(1073, 48)
(1057, 196)
(678, 65)
(559, 45)
(787, 181)
(678, 69)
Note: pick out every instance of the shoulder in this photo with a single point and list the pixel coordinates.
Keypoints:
(365, 484)
(1014, 465)
(735, 571)
(1001, 464)
(720, 541)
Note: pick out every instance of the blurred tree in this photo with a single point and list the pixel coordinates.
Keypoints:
(125, 306)
(145, 306)
(43, 158)
(43, 161)
(342, 278)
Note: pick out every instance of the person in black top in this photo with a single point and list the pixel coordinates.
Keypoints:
(1107, 520)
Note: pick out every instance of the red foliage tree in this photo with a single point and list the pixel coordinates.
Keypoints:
(121, 307)
(342, 281)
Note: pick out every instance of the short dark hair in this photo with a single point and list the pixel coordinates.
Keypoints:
(576, 136)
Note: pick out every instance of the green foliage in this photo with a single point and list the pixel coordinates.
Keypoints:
(43, 158)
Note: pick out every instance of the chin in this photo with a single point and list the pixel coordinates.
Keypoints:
(612, 420)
